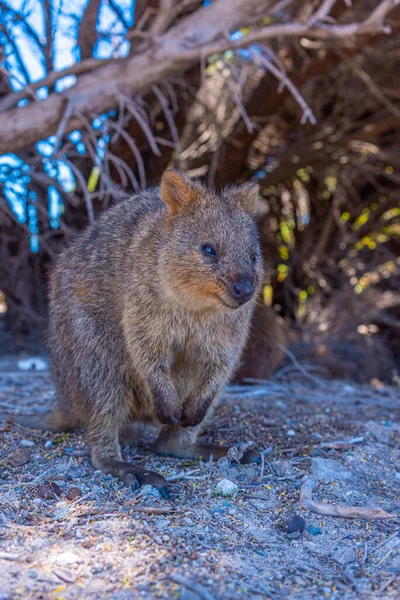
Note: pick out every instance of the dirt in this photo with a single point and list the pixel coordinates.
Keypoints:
(68, 531)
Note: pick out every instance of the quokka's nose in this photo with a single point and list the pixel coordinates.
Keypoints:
(243, 289)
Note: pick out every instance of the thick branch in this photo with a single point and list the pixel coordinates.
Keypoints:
(48, 51)
(87, 31)
(187, 42)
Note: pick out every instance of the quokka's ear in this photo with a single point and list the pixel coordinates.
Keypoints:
(178, 191)
(247, 195)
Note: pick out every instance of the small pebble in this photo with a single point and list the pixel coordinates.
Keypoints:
(32, 574)
(26, 443)
(162, 524)
(222, 463)
(74, 493)
(226, 487)
(314, 529)
(20, 458)
(67, 558)
(344, 555)
(291, 433)
(48, 490)
(77, 472)
(348, 388)
(294, 524)
(311, 546)
(60, 513)
(149, 491)
(48, 444)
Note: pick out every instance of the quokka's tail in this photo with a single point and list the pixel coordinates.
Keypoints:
(55, 420)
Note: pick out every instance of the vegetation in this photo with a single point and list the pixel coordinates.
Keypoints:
(299, 96)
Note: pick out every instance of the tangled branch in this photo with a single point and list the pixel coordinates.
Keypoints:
(168, 53)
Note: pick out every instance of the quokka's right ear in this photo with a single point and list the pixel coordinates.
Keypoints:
(178, 191)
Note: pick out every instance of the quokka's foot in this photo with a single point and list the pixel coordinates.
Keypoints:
(159, 482)
(135, 476)
(202, 451)
(205, 451)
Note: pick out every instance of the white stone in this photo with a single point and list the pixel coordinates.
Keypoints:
(26, 443)
(226, 487)
(32, 364)
(150, 491)
(66, 558)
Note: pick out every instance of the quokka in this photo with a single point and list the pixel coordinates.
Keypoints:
(149, 312)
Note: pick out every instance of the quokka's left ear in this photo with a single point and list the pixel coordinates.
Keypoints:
(247, 195)
(179, 192)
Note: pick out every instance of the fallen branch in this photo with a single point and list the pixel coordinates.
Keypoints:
(153, 510)
(337, 510)
(389, 539)
(9, 556)
(300, 367)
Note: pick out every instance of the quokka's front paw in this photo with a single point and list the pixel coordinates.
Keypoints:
(192, 415)
(169, 415)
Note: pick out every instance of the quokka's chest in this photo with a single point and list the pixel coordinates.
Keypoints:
(192, 344)
(188, 364)
(199, 340)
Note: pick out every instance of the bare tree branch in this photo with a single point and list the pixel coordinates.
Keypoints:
(308, 114)
(175, 50)
(119, 13)
(48, 51)
(87, 35)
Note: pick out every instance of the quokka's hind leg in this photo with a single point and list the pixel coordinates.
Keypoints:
(106, 456)
(131, 431)
(181, 443)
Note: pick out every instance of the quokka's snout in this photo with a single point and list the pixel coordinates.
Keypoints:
(242, 289)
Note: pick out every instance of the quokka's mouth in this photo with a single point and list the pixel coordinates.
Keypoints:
(227, 305)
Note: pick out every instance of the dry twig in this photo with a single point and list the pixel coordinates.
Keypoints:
(337, 510)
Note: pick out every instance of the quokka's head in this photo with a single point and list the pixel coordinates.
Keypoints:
(211, 255)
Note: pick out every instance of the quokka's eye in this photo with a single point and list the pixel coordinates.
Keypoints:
(253, 257)
(208, 250)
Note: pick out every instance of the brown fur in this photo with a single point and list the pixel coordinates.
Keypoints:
(143, 325)
(262, 354)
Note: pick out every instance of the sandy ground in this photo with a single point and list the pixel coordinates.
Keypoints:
(67, 531)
